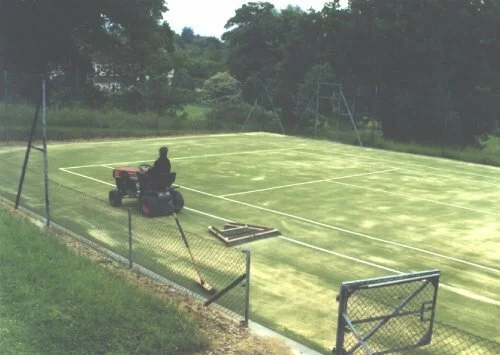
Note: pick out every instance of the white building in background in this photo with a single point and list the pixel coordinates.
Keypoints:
(107, 80)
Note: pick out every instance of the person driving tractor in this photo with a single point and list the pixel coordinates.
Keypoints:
(162, 164)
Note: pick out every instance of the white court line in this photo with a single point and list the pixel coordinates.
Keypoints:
(385, 241)
(308, 182)
(86, 177)
(348, 231)
(166, 138)
(462, 292)
(308, 245)
(417, 171)
(183, 158)
(420, 165)
(416, 198)
(209, 215)
(451, 177)
(453, 289)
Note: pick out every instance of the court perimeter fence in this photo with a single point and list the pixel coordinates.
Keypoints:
(149, 245)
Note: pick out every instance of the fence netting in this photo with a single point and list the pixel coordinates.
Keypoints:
(396, 314)
(155, 245)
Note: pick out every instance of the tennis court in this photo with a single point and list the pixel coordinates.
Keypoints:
(344, 213)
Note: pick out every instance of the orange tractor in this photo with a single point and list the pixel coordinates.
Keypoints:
(155, 193)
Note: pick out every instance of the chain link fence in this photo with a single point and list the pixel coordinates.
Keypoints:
(396, 314)
(145, 242)
(150, 245)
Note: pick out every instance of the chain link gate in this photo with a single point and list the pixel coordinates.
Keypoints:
(386, 314)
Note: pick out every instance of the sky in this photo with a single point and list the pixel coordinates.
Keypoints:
(207, 18)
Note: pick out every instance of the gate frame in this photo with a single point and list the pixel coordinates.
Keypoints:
(349, 288)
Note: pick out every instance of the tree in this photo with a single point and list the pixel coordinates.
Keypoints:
(254, 40)
(69, 35)
(187, 34)
(221, 88)
(427, 58)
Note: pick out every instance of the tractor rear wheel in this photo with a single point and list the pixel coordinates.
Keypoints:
(177, 201)
(115, 198)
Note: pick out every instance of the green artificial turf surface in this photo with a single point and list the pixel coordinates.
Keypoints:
(344, 212)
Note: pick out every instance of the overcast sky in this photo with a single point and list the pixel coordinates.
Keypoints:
(207, 18)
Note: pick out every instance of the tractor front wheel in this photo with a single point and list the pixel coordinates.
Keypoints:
(115, 198)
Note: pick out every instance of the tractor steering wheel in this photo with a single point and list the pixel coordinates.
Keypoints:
(143, 168)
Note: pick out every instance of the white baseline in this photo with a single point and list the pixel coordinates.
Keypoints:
(181, 158)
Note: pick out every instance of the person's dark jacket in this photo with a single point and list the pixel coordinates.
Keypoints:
(161, 166)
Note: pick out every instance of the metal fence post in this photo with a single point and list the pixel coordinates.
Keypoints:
(44, 149)
(130, 262)
(247, 287)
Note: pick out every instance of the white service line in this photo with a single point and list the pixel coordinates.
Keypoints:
(183, 158)
(385, 241)
(416, 198)
(308, 182)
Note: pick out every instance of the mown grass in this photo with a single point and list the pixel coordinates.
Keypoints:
(196, 112)
(488, 155)
(76, 122)
(53, 301)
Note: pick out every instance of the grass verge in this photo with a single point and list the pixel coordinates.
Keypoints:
(55, 302)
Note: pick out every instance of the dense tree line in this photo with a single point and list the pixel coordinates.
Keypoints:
(423, 67)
